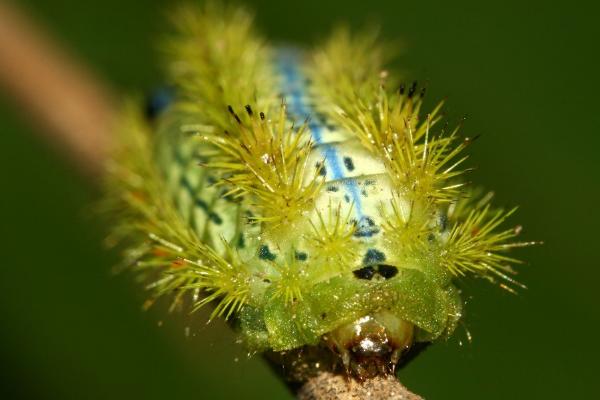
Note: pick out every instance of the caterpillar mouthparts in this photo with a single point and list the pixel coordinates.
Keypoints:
(302, 198)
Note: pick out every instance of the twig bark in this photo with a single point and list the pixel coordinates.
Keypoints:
(75, 110)
(327, 386)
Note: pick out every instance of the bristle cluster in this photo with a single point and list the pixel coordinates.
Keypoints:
(219, 61)
(289, 281)
(331, 240)
(388, 124)
(265, 160)
(474, 245)
(423, 166)
(161, 246)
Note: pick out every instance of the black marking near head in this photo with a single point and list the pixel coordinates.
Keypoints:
(265, 254)
(383, 270)
(366, 273)
(349, 164)
(387, 271)
(373, 256)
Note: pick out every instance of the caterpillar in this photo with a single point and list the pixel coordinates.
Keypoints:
(304, 196)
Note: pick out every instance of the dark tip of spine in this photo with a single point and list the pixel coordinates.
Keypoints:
(401, 89)
(230, 109)
(423, 91)
(249, 110)
(262, 115)
(412, 89)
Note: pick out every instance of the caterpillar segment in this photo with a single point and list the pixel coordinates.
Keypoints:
(311, 205)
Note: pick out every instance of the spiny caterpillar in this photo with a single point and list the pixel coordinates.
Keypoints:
(304, 196)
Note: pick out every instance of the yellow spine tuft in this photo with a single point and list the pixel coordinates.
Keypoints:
(267, 161)
(331, 241)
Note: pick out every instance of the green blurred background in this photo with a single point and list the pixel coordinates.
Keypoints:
(524, 74)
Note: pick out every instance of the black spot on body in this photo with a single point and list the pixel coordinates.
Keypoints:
(215, 218)
(320, 117)
(301, 256)
(366, 273)
(187, 185)
(321, 168)
(443, 222)
(370, 182)
(332, 188)
(228, 197)
(265, 254)
(366, 228)
(387, 271)
(373, 256)
(241, 243)
(158, 102)
(349, 164)
(347, 198)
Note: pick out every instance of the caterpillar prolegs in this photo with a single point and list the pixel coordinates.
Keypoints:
(302, 194)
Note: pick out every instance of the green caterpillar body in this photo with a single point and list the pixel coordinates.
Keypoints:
(309, 203)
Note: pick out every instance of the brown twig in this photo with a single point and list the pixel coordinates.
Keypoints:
(327, 386)
(75, 110)
(69, 106)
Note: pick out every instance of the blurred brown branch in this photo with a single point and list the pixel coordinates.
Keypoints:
(75, 112)
(69, 106)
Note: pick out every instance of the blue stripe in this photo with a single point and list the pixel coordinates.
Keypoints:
(294, 90)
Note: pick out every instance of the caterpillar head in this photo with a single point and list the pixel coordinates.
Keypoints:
(372, 344)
